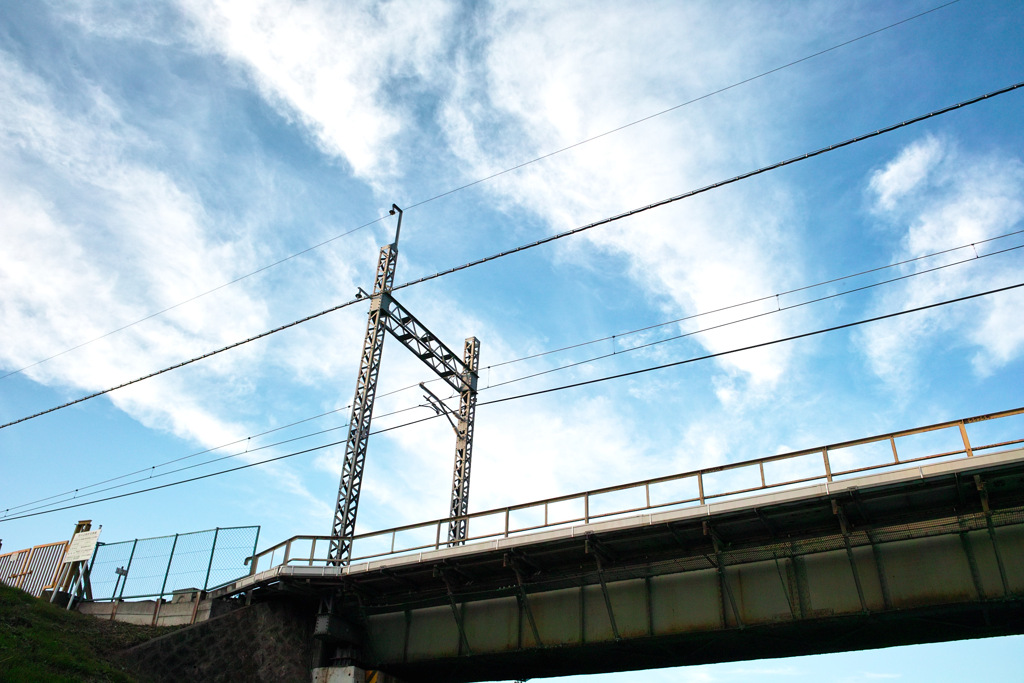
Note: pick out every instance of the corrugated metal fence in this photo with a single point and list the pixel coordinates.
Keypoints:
(32, 569)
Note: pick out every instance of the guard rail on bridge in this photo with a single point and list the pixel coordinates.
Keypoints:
(945, 440)
(907, 537)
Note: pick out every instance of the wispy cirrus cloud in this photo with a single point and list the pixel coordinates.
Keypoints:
(95, 238)
(501, 101)
(707, 254)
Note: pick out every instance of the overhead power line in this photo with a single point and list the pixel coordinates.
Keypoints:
(174, 483)
(552, 238)
(683, 104)
(769, 297)
(563, 387)
(184, 363)
(80, 492)
(763, 314)
(485, 179)
(721, 183)
(151, 470)
(751, 347)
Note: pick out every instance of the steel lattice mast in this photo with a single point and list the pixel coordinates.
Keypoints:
(388, 315)
(464, 444)
(362, 409)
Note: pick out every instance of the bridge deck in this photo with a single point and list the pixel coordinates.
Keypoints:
(780, 514)
(929, 553)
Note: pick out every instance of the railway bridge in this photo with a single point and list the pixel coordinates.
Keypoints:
(889, 540)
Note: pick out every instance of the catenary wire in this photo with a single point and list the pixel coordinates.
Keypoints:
(546, 240)
(563, 387)
(751, 347)
(748, 318)
(151, 469)
(749, 302)
(6, 514)
(195, 454)
(485, 179)
(716, 185)
(681, 105)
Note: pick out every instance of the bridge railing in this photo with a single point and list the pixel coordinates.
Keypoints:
(696, 487)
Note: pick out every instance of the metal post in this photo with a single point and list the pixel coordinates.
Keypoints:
(967, 442)
(128, 568)
(388, 315)
(213, 549)
(255, 542)
(168, 571)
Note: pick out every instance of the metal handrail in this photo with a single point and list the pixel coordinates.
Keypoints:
(827, 474)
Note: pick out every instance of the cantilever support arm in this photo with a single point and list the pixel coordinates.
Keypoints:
(440, 407)
(461, 375)
(415, 336)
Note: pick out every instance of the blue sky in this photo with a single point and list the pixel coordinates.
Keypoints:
(152, 152)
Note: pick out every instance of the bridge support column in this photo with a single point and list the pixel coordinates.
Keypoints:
(350, 674)
(339, 674)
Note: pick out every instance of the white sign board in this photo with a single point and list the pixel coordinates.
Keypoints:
(82, 546)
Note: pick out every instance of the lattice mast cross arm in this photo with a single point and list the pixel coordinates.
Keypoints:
(461, 374)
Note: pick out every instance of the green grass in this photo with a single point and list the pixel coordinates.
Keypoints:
(43, 642)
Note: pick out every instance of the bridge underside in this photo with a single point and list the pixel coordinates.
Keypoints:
(764, 641)
(930, 554)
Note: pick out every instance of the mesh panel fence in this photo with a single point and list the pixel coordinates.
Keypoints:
(107, 559)
(187, 567)
(153, 567)
(233, 547)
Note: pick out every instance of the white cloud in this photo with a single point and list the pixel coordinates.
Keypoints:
(109, 250)
(94, 239)
(331, 66)
(532, 91)
(906, 172)
(962, 198)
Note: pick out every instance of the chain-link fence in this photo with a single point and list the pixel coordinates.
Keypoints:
(154, 567)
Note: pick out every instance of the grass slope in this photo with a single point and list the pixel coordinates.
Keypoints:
(43, 642)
